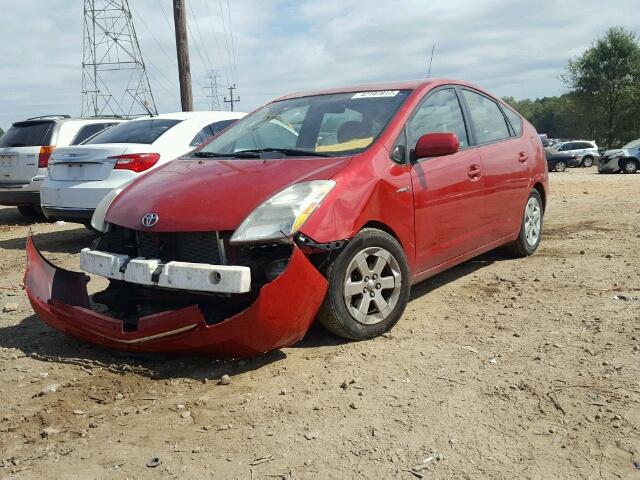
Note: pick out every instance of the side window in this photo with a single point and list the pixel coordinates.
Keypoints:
(89, 131)
(209, 131)
(488, 120)
(514, 120)
(440, 112)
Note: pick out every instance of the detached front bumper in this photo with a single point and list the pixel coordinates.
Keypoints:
(280, 316)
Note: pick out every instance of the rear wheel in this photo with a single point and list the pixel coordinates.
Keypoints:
(560, 166)
(587, 161)
(31, 212)
(531, 229)
(629, 166)
(369, 285)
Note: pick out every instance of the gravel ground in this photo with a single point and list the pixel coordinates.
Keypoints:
(499, 368)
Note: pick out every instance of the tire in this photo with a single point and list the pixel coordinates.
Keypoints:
(31, 212)
(587, 161)
(526, 243)
(629, 166)
(560, 166)
(370, 253)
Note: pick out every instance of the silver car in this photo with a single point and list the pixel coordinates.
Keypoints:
(586, 151)
(25, 150)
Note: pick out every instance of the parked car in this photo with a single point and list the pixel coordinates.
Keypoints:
(625, 159)
(25, 150)
(559, 162)
(586, 151)
(544, 139)
(80, 176)
(329, 203)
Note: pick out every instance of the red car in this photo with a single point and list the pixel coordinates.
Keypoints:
(327, 204)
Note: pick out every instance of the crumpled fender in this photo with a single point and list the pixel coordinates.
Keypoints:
(280, 316)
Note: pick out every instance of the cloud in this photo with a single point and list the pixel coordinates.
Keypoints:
(514, 47)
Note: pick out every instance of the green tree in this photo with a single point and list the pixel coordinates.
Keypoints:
(605, 85)
(1, 132)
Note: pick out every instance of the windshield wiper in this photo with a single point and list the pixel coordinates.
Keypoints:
(289, 152)
(203, 154)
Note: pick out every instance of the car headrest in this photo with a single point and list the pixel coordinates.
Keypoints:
(351, 130)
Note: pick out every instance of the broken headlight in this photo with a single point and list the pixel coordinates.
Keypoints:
(283, 214)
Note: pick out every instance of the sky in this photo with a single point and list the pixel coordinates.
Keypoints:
(271, 47)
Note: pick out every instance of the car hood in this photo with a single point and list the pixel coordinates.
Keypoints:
(610, 153)
(212, 195)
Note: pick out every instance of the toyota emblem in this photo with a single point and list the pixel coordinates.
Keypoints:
(150, 219)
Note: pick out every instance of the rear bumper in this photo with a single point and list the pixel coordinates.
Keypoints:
(280, 316)
(21, 194)
(80, 215)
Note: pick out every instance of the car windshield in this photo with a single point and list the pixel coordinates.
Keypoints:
(136, 131)
(321, 125)
(634, 144)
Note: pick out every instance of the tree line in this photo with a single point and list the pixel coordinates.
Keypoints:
(602, 102)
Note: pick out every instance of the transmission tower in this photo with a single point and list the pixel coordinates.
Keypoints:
(114, 78)
(212, 88)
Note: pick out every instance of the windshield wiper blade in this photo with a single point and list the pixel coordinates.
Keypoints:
(203, 154)
(289, 152)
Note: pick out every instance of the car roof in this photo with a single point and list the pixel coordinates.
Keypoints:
(222, 115)
(403, 85)
(68, 118)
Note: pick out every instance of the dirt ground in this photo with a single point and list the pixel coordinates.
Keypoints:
(500, 368)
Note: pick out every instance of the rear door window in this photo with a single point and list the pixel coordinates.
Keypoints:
(136, 131)
(440, 112)
(209, 131)
(488, 120)
(28, 134)
(88, 131)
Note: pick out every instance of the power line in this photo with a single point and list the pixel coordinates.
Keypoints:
(215, 37)
(233, 47)
(197, 28)
(144, 24)
(226, 40)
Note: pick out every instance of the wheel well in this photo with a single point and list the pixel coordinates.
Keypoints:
(635, 160)
(383, 227)
(543, 195)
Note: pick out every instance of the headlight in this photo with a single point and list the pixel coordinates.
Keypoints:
(97, 220)
(283, 214)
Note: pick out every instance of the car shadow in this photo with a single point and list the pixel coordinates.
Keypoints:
(61, 241)
(317, 336)
(37, 340)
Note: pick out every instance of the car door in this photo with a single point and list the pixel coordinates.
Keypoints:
(506, 164)
(447, 191)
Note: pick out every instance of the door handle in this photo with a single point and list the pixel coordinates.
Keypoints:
(474, 172)
(523, 157)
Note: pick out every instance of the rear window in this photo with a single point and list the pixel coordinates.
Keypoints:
(138, 131)
(28, 134)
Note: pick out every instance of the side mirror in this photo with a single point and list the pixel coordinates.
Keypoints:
(436, 144)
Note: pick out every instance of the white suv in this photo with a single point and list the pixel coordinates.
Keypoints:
(586, 151)
(25, 150)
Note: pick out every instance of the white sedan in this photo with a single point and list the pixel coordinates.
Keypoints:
(79, 177)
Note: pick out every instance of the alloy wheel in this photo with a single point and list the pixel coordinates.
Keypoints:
(532, 221)
(372, 285)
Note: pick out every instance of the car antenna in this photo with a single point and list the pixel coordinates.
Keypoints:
(433, 49)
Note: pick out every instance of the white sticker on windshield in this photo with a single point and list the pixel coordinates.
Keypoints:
(382, 93)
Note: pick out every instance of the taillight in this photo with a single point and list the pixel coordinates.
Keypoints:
(136, 162)
(45, 154)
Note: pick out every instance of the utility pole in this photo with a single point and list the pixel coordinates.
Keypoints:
(231, 99)
(213, 76)
(182, 49)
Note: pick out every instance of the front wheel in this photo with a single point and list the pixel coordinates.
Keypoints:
(531, 228)
(587, 162)
(560, 167)
(629, 166)
(369, 285)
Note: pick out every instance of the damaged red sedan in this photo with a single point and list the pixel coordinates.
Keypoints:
(328, 204)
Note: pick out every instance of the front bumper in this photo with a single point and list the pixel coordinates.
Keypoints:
(280, 316)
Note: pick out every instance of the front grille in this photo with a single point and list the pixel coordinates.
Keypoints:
(196, 247)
